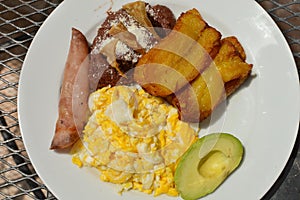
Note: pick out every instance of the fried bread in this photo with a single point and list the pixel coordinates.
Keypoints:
(123, 38)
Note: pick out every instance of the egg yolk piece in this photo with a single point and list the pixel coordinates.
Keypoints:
(133, 139)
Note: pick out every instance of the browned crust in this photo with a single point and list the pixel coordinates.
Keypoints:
(170, 65)
(230, 56)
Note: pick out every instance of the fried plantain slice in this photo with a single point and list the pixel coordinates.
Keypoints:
(210, 41)
(234, 41)
(176, 59)
(231, 64)
(199, 57)
(228, 71)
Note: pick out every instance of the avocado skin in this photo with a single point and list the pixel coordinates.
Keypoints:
(190, 183)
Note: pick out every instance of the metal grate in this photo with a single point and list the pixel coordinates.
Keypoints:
(286, 13)
(19, 22)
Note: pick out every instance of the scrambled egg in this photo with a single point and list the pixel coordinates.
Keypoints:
(133, 139)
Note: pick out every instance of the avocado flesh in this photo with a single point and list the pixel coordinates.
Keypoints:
(206, 164)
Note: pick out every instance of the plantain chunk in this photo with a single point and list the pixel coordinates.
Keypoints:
(228, 71)
(210, 41)
(175, 60)
(231, 64)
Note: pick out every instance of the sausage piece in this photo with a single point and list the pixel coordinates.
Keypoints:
(74, 94)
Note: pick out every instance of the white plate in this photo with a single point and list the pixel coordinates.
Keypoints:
(264, 113)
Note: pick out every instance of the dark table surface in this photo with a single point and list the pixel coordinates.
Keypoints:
(19, 22)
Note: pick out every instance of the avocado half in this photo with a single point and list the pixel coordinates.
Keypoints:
(206, 164)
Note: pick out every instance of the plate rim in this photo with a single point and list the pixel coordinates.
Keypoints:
(60, 7)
